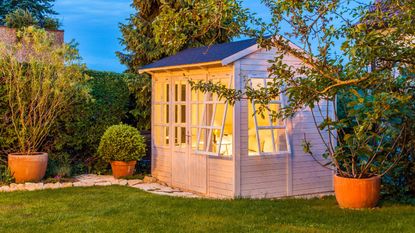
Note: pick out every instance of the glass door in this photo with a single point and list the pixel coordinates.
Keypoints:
(180, 126)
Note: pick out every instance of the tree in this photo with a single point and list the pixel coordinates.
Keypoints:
(40, 84)
(362, 52)
(40, 9)
(162, 28)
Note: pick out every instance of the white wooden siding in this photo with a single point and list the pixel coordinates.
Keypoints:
(283, 174)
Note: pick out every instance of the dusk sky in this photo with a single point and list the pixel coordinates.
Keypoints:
(94, 25)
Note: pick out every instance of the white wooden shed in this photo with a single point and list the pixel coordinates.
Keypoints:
(205, 145)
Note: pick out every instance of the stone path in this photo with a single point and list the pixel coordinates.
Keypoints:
(148, 184)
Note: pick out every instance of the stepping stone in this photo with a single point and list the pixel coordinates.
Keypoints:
(134, 182)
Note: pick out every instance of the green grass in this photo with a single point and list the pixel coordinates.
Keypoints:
(123, 209)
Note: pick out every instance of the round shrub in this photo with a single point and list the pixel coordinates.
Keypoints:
(122, 143)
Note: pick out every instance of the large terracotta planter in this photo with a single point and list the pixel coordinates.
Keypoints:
(357, 193)
(122, 169)
(28, 168)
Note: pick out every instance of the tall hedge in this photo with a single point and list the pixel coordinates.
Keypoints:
(79, 130)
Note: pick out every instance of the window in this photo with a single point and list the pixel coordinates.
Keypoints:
(211, 121)
(265, 134)
(180, 111)
(161, 109)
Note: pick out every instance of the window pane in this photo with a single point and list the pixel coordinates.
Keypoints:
(218, 118)
(183, 136)
(202, 140)
(176, 113)
(176, 136)
(195, 115)
(183, 114)
(166, 114)
(263, 117)
(167, 93)
(226, 145)
(161, 136)
(252, 137)
(194, 138)
(275, 108)
(208, 114)
(176, 92)
(257, 83)
(183, 93)
(266, 142)
(280, 140)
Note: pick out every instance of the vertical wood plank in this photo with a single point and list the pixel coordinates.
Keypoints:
(236, 153)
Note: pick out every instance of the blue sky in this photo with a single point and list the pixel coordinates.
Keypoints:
(94, 25)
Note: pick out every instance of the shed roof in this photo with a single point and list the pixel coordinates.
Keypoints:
(213, 53)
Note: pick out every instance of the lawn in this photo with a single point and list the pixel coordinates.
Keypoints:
(124, 209)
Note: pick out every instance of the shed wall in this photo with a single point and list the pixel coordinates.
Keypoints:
(283, 174)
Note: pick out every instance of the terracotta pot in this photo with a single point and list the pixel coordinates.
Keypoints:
(122, 169)
(28, 168)
(357, 193)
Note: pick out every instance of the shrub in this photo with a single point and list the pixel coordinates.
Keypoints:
(122, 143)
(20, 18)
(50, 24)
(5, 175)
(41, 88)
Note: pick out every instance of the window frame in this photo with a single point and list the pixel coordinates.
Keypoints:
(164, 104)
(270, 126)
(209, 127)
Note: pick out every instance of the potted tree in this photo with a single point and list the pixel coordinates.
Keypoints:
(122, 146)
(40, 77)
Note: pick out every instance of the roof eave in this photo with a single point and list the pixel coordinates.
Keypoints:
(240, 54)
(185, 66)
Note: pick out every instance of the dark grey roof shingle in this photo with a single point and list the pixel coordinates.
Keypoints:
(203, 54)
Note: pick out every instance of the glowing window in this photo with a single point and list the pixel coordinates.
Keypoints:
(212, 121)
(161, 112)
(266, 134)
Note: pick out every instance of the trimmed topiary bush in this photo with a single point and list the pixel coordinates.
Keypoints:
(122, 143)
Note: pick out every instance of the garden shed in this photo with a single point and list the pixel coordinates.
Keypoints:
(203, 144)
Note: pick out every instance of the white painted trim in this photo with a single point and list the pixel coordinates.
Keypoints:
(240, 54)
(196, 65)
(236, 139)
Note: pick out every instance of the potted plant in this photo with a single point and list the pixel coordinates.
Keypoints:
(122, 146)
(40, 77)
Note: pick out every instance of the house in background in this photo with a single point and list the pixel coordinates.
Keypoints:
(203, 144)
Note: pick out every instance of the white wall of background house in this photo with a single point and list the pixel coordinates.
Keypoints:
(203, 144)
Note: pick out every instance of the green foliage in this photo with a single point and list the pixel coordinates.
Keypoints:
(50, 24)
(59, 165)
(41, 88)
(40, 9)
(81, 127)
(19, 19)
(139, 110)
(122, 143)
(5, 175)
(161, 28)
